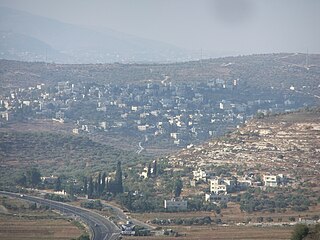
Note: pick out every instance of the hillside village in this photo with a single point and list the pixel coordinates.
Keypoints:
(243, 154)
(253, 169)
(160, 120)
(156, 114)
(279, 152)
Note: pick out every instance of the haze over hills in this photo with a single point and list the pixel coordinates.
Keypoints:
(19, 46)
(203, 143)
(36, 38)
(158, 105)
(279, 71)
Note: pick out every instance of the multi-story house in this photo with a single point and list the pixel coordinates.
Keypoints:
(199, 175)
(222, 186)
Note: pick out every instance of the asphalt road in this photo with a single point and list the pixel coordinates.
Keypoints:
(102, 228)
(126, 217)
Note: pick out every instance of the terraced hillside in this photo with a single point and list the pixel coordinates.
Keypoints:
(286, 144)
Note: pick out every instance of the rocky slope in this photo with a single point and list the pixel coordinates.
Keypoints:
(287, 144)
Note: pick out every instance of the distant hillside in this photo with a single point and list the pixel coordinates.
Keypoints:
(278, 71)
(82, 45)
(18, 46)
(57, 154)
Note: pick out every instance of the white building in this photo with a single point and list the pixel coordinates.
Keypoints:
(5, 115)
(50, 180)
(222, 186)
(144, 173)
(175, 204)
(62, 192)
(274, 180)
(174, 135)
(103, 125)
(216, 198)
(143, 127)
(75, 131)
(199, 175)
(62, 86)
(271, 180)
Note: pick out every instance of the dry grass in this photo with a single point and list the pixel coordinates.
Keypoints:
(13, 228)
(25, 223)
(219, 233)
(231, 215)
(39, 125)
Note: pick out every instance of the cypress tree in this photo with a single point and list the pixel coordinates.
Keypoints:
(178, 188)
(33, 177)
(57, 186)
(90, 188)
(118, 179)
(22, 180)
(155, 168)
(71, 190)
(95, 188)
(99, 184)
(107, 186)
(149, 171)
(85, 185)
(103, 182)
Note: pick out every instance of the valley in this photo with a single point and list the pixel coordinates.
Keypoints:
(234, 150)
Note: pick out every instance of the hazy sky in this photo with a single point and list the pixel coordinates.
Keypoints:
(235, 26)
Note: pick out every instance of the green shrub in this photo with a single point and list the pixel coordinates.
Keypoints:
(299, 232)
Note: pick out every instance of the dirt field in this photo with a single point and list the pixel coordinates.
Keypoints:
(219, 233)
(19, 221)
(13, 228)
(239, 233)
(231, 215)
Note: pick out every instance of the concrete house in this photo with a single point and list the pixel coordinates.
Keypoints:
(199, 175)
(271, 180)
(222, 186)
(175, 204)
(216, 198)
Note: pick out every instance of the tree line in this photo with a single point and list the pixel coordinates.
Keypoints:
(102, 185)
(92, 187)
